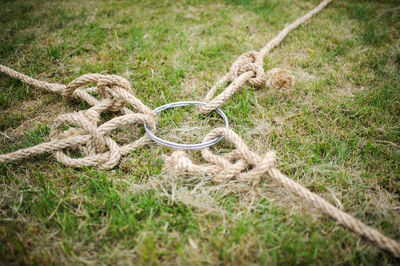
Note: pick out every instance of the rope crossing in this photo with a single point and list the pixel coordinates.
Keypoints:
(92, 139)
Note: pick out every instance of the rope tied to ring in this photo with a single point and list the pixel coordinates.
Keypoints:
(99, 149)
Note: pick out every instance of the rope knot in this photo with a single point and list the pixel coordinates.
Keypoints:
(280, 79)
(99, 149)
(113, 87)
(248, 62)
(259, 169)
(178, 163)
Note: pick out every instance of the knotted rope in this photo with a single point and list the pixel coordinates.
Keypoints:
(224, 167)
(241, 164)
(246, 166)
(84, 134)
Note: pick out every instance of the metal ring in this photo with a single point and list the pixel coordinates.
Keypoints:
(185, 146)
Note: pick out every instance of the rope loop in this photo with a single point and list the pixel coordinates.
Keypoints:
(84, 135)
(99, 150)
(107, 87)
(91, 141)
(239, 161)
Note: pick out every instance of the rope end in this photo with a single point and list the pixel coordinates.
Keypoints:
(280, 79)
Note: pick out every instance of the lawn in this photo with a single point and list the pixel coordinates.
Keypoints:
(337, 132)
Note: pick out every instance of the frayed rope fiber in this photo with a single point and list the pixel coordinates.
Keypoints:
(90, 139)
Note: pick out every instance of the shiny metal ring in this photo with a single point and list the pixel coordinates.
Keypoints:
(175, 145)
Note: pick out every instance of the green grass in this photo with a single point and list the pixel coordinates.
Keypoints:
(337, 132)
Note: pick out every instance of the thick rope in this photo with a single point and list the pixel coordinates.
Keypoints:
(90, 139)
(236, 165)
(249, 68)
(84, 134)
(53, 87)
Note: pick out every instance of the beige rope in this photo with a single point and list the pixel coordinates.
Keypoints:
(91, 139)
(236, 164)
(53, 87)
(84, 134)
(249, 68)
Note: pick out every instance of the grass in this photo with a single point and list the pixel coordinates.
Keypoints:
(337, 132)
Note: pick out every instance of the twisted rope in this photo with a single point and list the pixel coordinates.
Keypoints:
(246, 166)
(249, 69)
(84, 134)
(241, 164)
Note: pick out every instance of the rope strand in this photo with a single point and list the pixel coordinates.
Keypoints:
(85, 135)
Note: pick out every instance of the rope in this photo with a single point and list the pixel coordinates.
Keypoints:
(249, 68)
(84, 134)
(236, 165)
(91, 139)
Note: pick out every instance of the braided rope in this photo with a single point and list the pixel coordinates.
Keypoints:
(241, 164)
